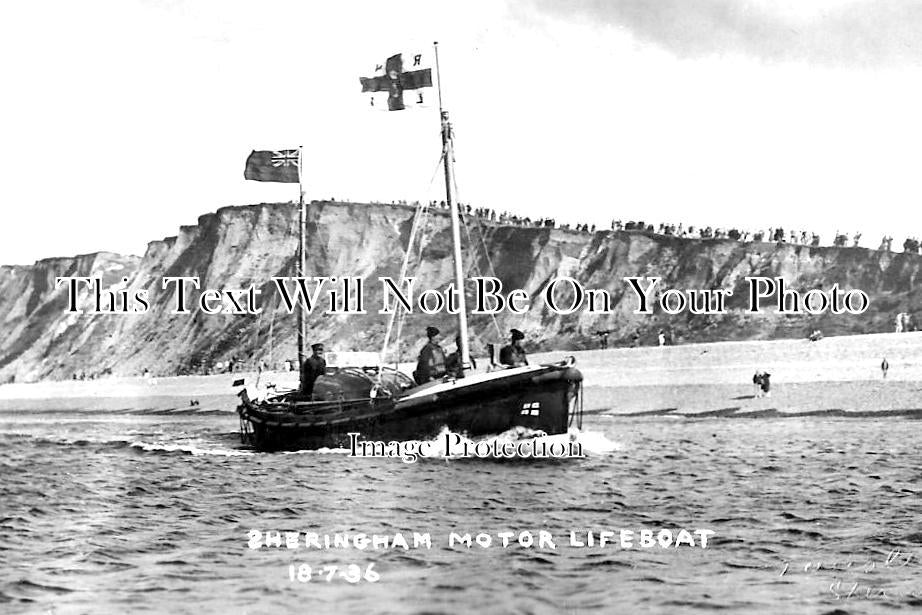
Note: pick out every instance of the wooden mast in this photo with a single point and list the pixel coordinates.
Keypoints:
(454, 212)
(302, 262)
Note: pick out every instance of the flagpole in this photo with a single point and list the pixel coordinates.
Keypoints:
(438, 76)
(302, 260)
(454, 212)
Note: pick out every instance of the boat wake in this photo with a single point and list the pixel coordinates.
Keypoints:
(185, 446)
(591, 442)
(194, 448)
(444, 446)
(439, 447)
(597, 443)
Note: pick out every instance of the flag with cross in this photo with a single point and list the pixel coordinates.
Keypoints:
(273, 166)
(402, 78)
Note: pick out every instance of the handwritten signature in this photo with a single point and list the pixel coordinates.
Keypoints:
(850, 589)
(895, 559)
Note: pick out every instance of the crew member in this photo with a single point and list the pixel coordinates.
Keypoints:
(513, 355)
(314, 366)
(431, 363)
(453, 361)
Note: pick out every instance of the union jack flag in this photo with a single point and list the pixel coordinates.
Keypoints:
(285, 157)
(273, 166)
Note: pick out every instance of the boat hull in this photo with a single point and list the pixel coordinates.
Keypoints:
(538, 398)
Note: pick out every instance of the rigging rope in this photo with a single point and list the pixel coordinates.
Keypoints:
(474, 265)
(419, 219)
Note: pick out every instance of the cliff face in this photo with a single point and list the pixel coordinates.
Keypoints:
(38, 335)
(239, 246)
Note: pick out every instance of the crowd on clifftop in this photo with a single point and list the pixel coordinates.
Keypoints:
(773, 234)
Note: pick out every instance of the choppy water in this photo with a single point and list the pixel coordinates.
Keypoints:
(150, 513)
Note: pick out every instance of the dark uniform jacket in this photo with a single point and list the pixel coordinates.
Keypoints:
(513, 356)
(312, 368)
(453, 364)
(431, 364)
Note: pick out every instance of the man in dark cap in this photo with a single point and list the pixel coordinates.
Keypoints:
(513, 355)
(431, 363)
(453, 361)
(314, 366)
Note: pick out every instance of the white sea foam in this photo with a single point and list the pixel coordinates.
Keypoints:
(597, 443)
(190, 448)
(319, 451)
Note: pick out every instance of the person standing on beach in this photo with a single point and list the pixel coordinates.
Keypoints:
(884, 366)
(603, 338)
(766, 385)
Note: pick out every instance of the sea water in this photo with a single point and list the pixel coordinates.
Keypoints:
(108, 512)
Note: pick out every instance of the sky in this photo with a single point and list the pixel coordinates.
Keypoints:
(805, 114)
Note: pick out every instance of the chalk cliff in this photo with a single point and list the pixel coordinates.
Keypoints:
(238, 246)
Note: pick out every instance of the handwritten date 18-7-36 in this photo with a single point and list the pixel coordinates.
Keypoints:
(352, 573)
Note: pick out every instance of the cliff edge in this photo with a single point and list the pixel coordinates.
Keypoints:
(242, 245)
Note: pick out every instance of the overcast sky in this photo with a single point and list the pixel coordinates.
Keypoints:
(124, 119)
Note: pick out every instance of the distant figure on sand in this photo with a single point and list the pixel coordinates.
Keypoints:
(662, 337)
(603, 339)
(884, 366)
(762, 384)
(766, 384)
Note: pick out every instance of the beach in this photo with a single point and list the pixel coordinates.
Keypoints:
(835, 374)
